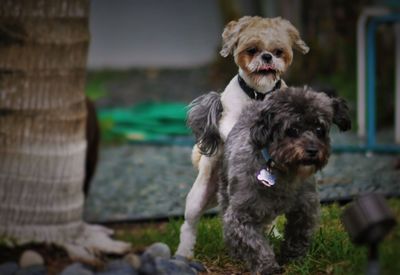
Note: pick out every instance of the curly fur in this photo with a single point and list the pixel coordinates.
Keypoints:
(203, 117)
(246, 204)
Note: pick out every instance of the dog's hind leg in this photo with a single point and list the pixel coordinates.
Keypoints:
(201, 197)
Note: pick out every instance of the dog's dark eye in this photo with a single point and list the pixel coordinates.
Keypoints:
(292, 132)
(252, 51)
(278, 52)
(320, 132)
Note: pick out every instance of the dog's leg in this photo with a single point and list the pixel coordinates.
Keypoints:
(246, 240)
(301, 223)
(196, 155)
(202, 196)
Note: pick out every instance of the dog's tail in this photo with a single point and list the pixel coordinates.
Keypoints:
(203, 117)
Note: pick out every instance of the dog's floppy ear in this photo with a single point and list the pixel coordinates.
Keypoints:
(230, 35)
(203, 117)
(260, 133)
(297, 42)
(341, 115)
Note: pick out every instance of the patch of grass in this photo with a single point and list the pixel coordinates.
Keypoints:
(330, 253)
(95, 89)
(97, 80)
(142, 235)
(95, 85)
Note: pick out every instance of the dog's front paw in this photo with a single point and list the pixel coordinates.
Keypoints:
(271, 269)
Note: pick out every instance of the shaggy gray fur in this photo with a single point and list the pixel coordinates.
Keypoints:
(203, 117)
(290, 121)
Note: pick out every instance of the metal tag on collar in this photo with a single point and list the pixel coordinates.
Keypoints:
(255, 95)
(266, 177)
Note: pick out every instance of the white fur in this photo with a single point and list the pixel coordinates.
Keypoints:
(202, 196)
(233, 100)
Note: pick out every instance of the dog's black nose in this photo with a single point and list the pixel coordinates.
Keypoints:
(312, 151)
(266, 57)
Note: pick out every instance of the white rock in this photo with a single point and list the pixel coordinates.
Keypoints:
(159, 250)
(133, 260)
(29, 258)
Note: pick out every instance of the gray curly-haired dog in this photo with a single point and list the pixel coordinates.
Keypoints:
(270, 158)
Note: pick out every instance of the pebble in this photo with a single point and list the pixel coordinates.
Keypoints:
(172, 267)
(156, 260)
(118, 267)
(195, 265)
(133, 260)
(198, 266)
(160, 250)
(76, 269)
(29, 258)
(8, 268)
(148, 265)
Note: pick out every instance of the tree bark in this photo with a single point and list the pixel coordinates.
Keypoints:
(43, 51)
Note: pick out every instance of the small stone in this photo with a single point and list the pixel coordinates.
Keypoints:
(133, 260)
(29, 258)
(118, 272)
(199, 267)
(75, 269)
(171, 267)
(160, 250)
(148, 265)
(8, 268)
(118, 267)
(32, 270)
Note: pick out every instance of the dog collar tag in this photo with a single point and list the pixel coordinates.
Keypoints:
(266, 177)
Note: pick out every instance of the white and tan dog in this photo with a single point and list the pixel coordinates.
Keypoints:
(262, 49)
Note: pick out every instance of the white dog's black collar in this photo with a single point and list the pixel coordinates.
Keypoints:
(252, 93)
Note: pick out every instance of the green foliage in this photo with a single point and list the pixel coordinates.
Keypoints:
(345, 85)
(96, 82)
(95, 86)
(6, 241)
(331, 251)
(95, 89)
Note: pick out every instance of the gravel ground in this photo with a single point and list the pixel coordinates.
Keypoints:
(135, 182)
(140, 182)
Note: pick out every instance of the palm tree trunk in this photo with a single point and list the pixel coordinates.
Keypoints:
(43, 51)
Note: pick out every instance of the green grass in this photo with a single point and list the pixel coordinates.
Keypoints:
(96, 82)
(331, 251)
